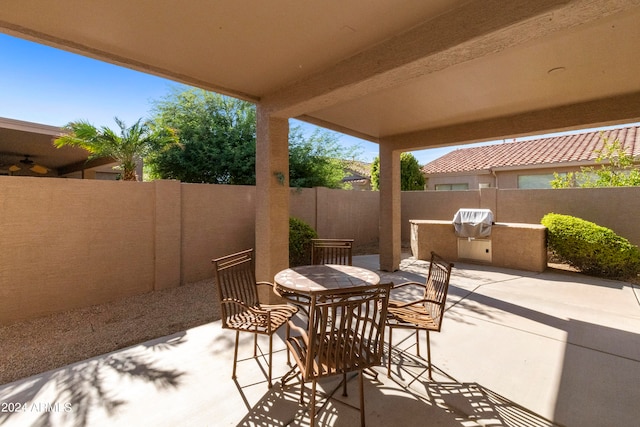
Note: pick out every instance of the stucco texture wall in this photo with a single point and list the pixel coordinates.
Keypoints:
(73, 243)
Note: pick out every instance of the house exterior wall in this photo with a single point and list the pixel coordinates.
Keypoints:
(73, 243)
(473, 180)
(509, 179)
(499, 178)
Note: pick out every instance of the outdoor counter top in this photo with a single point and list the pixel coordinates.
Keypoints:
(512, 245)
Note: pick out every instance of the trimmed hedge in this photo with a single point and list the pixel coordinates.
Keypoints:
(590, 248)
(300, 235)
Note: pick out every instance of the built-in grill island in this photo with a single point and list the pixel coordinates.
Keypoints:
(472, 227)
(473, 236)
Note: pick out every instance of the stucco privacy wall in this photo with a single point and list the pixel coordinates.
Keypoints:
(438, 205)
(614, 208)
(216, 220)
(73, 243)
(338, 214)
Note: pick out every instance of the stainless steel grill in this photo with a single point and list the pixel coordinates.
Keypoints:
(473, 223)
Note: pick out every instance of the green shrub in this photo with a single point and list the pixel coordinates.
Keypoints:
(300, 235)
(591, 248)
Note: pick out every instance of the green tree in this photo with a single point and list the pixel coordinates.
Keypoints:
(217, 136)
(411, 177)
(218, 144)
(318, 160)
(617, 169)
(127, 147)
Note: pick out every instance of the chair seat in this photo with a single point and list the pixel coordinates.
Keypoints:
(257, 322)
(413, 315)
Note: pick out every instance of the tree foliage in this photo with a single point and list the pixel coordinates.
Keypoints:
(318, 160)
(218, 144)
(616, 169)
(131, 144)
(411, 177)
(217, 136)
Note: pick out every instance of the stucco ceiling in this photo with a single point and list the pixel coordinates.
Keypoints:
(411, 73)
(19, 139)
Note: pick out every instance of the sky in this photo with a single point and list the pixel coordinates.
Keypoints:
(44, 85)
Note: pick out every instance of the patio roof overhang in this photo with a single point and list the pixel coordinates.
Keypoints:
(19, 139)
(406, 74)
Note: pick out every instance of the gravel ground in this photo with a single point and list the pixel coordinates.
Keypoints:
(38, 345)
(34, 346)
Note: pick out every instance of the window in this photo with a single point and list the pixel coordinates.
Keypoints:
(536, 181)
(452, 187)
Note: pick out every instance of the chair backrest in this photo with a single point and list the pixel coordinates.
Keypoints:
(346, 329)
(437, 287)
(235, 281)
(331, 251)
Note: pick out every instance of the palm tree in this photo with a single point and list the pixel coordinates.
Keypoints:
(131, 145)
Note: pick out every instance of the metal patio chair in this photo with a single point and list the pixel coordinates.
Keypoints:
(345, 333)
(332, 251)
(241, 308)
(425, 313)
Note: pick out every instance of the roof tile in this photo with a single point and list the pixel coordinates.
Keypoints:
(552, 150)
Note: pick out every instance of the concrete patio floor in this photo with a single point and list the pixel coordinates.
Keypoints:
(516, 349)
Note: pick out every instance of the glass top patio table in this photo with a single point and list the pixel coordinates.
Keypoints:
(307, 278)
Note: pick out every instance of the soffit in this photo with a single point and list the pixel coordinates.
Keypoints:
(19, 139)
(372, 68)
(577, 65)
(245, 48)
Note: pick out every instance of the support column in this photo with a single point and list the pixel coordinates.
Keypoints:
(272, 195)
(390, 222)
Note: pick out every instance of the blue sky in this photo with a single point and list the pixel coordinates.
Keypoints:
(50, 86)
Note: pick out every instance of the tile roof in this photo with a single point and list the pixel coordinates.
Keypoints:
(358, 168)
(544, 151)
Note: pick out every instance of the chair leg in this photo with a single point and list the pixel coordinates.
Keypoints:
(302, 392)
(344, 384)
(389, 358)
(235, 356)
(418, 342)
(255, 345)
(429, 355)
(361, 398)
(270, 357)
(288, 329)
(312, 410)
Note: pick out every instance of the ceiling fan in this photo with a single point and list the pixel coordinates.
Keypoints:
(27, 163)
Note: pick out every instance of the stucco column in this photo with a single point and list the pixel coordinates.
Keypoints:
(272, 195)
(390, 223)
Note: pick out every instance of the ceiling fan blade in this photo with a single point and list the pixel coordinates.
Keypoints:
(14, 168)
